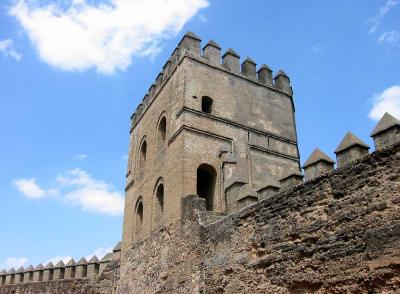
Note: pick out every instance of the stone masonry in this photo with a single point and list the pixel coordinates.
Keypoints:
(207, 126)
(216, 201)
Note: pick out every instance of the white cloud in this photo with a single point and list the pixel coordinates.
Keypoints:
(81, 156)
(392, 37)
(91, 194)
(29, 188)
(8, 50)
(56, 259)
(77, 187)
(14, 262)
(387, 101)
(82, 35)
(203, 19)
(100, 252)
(382, 12)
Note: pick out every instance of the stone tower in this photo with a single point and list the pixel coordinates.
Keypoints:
(210, 127)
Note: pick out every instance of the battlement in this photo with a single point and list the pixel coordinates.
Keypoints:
(190, 46)
(349, 151)
(352, 149)
(335, 233)
(83, 269)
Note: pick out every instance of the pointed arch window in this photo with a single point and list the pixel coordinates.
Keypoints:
(159, 202)
(139, 210)
(142, 157)
(161, 132)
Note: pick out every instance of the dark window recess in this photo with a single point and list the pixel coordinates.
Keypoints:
(206, 104)
(206, 178)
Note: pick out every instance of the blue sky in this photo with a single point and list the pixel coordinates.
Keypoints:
(72, 72)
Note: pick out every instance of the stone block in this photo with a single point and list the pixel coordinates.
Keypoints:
(81, 268)
(264, 75)
(231, 61)
(350, 149)
(213, 53)
(387, 132)
(317, 164)
(248, 68)
(292, 179)
(93, 267)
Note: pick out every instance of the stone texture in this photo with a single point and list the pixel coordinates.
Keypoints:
(70, 268)
(38, 273)
(81, 268)
(338, 233)
(335, 234)
(386, 132)
(104, 284)
(350, 149)
(93, 266)
(247, 135)
(317, 164)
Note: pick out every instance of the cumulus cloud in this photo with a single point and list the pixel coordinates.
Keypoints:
(77, 187)
(80, 34)
(14, 262)
(8, 50)
(29, 188)
(387, 101)
(376, 21)
(90, 194)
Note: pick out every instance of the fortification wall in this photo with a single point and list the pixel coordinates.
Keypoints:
(93, 276)
(339, 232)
(169, 260)
(105, 283)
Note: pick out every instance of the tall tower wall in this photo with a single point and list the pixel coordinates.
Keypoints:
(216, 129)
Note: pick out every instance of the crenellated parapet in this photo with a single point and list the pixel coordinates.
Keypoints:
(350, 150)
(229, 61)
(71, 270)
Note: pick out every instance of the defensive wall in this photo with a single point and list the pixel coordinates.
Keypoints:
(338, 232)
(83, 276)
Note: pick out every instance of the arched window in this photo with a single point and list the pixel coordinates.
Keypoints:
(130, 155)
(206, 104)
(143, 155)
(161, 132)
(158, 202)
(138, 217)
(206, 179)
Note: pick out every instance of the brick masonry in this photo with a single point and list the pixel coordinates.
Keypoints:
(338, 233)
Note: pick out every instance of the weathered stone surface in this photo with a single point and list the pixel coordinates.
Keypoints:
(103, 284)
(336, 233)
(386, 132)
(211, 116)
(339, 233)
